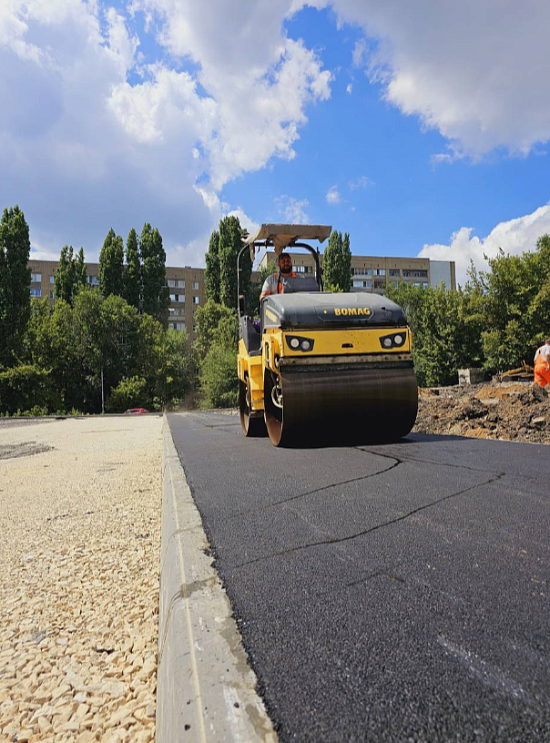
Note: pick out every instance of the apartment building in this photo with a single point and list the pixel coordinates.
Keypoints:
(374, 274)
(186, 287)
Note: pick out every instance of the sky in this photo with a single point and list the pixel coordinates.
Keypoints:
(419, 127)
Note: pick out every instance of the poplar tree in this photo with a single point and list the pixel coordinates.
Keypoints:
(70, 276)
(212, 271)
(80, 273)
(111, 265)
(15, 282)
(229, 245)
(156, 296)
(337, 263)
(132, 273)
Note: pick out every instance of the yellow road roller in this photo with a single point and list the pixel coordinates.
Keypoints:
(322, 365)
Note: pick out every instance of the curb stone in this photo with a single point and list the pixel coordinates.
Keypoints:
(205, 691)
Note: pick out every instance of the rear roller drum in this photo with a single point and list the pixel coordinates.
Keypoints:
(251, 425)
(278, 428)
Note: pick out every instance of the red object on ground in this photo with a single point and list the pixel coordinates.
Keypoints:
(135, 411)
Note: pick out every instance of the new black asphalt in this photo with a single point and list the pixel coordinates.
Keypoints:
(384, 593)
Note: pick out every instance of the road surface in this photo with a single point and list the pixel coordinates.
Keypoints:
(384, 593)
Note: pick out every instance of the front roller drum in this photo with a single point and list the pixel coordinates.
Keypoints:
(352, 404)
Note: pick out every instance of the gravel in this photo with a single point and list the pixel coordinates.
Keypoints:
(80, 507)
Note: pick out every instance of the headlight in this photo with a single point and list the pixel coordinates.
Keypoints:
(299, 343)
(395, 340)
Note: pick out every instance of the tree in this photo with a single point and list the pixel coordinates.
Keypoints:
(70, 277)
(15, 281)
(208, 319)
(111, 265)
(212, 271)
(156, 297)
(229, 245)
(132, 274)
(337, 263)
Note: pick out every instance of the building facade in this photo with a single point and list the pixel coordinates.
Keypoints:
(374, 274)
(186, 285)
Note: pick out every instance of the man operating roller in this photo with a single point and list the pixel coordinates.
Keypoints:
(275, 284)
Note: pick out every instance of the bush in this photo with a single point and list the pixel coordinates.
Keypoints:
(219, 380)
(129, 393)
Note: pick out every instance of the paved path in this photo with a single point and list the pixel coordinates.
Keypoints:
(384, 593)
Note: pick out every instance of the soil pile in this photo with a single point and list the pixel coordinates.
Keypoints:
(512, 411)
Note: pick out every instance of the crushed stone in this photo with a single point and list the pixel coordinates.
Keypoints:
(79, 571)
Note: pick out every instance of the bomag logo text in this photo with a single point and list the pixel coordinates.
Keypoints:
(352, 311)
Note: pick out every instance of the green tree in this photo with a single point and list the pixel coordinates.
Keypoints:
(132, 274)
(24, 387)
(129, 393)
(337, 263)
(208, 319)
(212, 271)
(156, 296)
(111, 265)
(219, 380)
(80, 272)
(230, 243)
(15, 280)
(70, 277)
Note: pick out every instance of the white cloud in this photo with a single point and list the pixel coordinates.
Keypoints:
(333, 196)
(359, 53)
(477, 72)
(349, 88)
(292, 210)
(361, 182)
(515, 237)
(91, 137)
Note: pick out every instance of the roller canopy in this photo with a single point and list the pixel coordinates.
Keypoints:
(282, 235)
(325, 309)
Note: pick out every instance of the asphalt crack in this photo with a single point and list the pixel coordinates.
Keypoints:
(372, 529)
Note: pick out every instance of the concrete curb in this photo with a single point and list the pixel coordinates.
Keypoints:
(205, 688)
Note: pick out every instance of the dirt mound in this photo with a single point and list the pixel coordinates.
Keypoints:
(510, 411)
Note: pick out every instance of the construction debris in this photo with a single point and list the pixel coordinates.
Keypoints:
(511, 411)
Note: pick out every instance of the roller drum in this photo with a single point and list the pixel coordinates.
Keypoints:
(361, 403)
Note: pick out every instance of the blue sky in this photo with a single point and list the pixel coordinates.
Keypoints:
(420, 128)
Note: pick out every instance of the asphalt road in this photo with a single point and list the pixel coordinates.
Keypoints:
(384, 593)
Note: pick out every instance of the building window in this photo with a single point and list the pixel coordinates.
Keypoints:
(361, 271)
(52, 294)
(171, 283)
(93, 280)
(195, 300)
(177, 298)
(395, 272)
(395, 284)
(36, 293)
(379, 284)
(424, 284)
(195, 284)
(180, 283)
(409, 273)
(52, 279)
(36, 277)
(179, 326)
(379, 271)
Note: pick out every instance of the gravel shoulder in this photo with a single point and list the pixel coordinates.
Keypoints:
(80, 517)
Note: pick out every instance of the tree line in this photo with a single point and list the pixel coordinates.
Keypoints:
(95, 349)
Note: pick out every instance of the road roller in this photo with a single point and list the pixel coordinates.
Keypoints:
(322, 365)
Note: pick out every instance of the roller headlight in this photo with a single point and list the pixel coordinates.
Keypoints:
(395, 340)
(299, 343)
